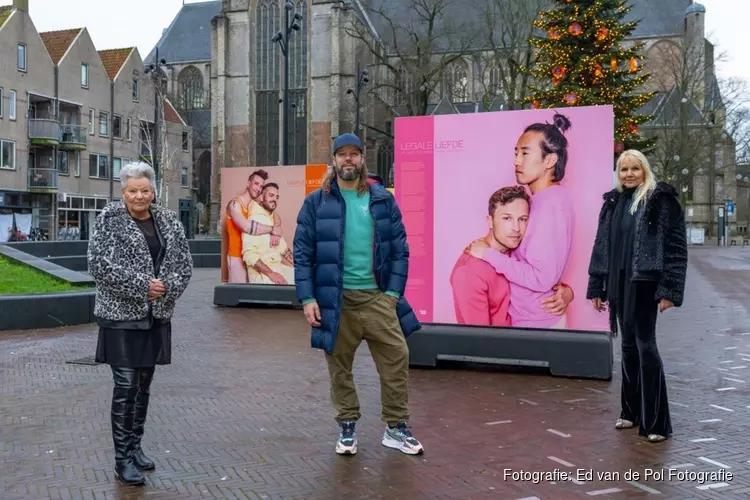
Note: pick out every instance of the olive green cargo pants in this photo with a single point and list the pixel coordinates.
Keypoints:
(370, 315)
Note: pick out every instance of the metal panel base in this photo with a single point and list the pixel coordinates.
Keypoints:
(567, 353)
(234, 295)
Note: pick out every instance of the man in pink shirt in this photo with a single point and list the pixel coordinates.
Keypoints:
(539, 262)
(482, 296)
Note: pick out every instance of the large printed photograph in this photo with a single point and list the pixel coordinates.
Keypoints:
(259, 209)
(501, 211)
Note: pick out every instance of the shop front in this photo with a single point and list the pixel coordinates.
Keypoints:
(16, 216)
(76, 215)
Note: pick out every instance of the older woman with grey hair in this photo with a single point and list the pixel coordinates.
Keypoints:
(139, 258)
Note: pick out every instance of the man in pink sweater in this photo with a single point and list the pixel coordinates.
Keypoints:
(482, 296)
(537, 265)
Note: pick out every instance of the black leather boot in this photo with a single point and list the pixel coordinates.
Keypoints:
(123, 412)
(141, 461)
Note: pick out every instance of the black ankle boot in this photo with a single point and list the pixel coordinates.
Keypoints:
(123, 411)
(128, 474)
(140, 459)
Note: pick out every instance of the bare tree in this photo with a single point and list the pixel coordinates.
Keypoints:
(735, 94)
(413, 47)
(687, 122)
(507, 26)
(166, 152)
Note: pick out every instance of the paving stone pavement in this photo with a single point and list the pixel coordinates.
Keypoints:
(243, 412)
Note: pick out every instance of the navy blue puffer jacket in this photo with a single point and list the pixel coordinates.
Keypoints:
(319, 257)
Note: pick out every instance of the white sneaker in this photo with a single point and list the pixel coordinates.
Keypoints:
(400, 438)
(347, 443)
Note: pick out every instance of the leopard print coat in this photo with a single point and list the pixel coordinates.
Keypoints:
(121, 265)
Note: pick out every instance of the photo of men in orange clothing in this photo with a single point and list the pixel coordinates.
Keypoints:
(267, 264)
(237, 222)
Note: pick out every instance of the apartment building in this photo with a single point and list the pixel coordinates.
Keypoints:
(70, 117)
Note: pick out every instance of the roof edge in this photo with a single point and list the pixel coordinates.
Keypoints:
(70, 45)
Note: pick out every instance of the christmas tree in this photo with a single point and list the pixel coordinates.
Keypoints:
(586, 63)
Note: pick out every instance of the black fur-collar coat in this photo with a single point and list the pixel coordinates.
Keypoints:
(660, 252)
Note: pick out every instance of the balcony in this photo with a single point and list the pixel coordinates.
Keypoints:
(42, 180)
(44, 132)
(74, 137)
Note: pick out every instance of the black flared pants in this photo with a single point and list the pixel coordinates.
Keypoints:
(644, 388)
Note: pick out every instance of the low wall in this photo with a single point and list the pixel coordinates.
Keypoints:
(72, 254)
(47, 310)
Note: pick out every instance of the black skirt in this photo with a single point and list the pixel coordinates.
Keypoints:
(136, 348)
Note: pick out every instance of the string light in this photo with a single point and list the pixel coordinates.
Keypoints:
(582, 56)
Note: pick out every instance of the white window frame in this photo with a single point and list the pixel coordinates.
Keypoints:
(98, 166)
(11, 104)
(22, 63)
(128, 133)
(84, 75)
(61, 153)
(103, 124)
(113, 126)
(92, 121)
(185, 182)
(15, 154)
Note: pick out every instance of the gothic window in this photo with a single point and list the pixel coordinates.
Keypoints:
(267, 53)
(191, 94)
(298, 50)
(385, 163)
(456, 82)
(404, 87)
(267, 128)
(298, 127)
(494, 83)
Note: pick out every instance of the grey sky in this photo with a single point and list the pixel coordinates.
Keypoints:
(124, 23)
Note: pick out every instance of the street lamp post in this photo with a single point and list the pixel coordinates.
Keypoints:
(154, 73)
(282, 38)
(362, 79)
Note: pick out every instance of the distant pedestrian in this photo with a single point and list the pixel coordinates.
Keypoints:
(638, 267)
(141, 263)
(351, 262)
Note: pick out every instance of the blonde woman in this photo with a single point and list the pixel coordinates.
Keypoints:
(637, 269)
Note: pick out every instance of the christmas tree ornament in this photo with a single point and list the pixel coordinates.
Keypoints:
(575, 29)
(633, 64)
